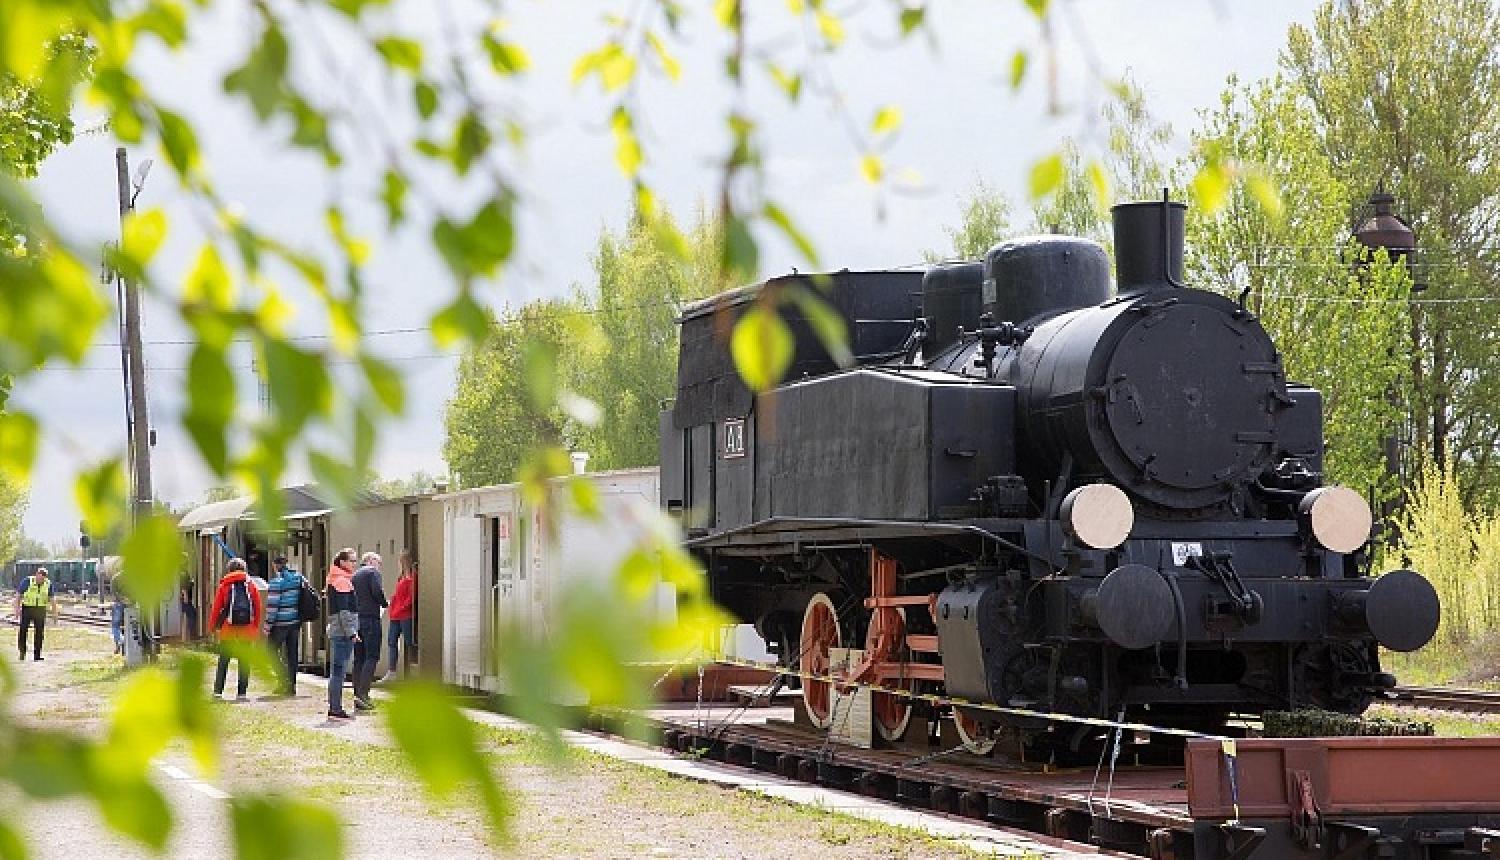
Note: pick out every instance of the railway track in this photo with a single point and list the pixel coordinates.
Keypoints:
(1449, 699)
(86, 620)
(1216, 805)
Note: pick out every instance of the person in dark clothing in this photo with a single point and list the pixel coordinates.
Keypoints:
(369, 599)
(285, 623)
(189, 613)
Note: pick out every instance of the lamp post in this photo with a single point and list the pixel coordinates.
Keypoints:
(1384, 230)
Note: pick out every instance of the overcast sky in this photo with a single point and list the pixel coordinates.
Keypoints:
(961, 123)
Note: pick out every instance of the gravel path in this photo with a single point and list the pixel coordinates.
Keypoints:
(590, 807)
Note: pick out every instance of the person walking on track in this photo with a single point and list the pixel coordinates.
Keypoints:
(369, 600)
(283, 614)
(343, 629)
(402, 615)
(33, 597)
(236, 616)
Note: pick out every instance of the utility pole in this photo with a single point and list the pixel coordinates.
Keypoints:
(137, 428)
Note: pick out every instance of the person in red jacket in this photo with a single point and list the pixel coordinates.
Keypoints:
(236, 616)
(402, 614)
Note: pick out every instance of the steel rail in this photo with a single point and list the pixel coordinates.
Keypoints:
(86, 620)
(1448, 699)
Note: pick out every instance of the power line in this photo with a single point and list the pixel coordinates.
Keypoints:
(250, 367)
(399, 358)
(300, 337)
(660, 303)
(1359, 300)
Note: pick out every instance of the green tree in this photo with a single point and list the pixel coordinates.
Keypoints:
(28, 547)
(1339, 327)
(13, 494)
(1138, 143)
(34, 121)
(1072, 191)
(628, 365)
(1407, 94)
(416, 483)
(1132, 165)
(65, 548)
(13, 502)
(1079, 205)
(220, 493)
(985, 220)
(503, 407)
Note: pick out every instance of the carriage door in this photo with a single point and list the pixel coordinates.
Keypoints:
(501, 570)
(316, 564)
(410, 531)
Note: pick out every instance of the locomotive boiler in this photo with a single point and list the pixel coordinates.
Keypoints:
(1037, 490)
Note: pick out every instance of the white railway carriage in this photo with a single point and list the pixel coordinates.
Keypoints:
(503, 572)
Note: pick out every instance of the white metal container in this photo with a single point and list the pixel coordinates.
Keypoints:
(503, 572)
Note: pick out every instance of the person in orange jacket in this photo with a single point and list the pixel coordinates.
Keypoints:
(236, 615)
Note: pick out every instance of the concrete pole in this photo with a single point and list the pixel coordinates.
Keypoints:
(138, 430)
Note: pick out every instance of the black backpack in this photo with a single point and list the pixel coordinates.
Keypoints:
(238, 610)
(309, 604)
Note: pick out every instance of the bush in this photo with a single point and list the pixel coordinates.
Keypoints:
(1459, 551)
(1325, 724)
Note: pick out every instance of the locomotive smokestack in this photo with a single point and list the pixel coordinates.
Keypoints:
(1149, 244)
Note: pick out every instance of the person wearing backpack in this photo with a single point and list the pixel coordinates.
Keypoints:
(284, 617)
(236, 616)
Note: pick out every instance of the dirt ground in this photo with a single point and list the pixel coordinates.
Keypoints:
(589, 807)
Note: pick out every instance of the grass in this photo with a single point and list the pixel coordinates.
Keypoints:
(55, 712)
(1471, 664)
(678, 797)
(660, 793)
(330, 753)
(527, 748)
(68, 637)
(1447, 723)
(101, 670)
(262, 749)
(1433, 666)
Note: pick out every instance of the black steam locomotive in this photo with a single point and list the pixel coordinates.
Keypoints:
(1035, 491)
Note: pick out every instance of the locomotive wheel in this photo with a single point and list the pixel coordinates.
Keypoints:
(892, 712)
(820, 634)
(973, 737)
